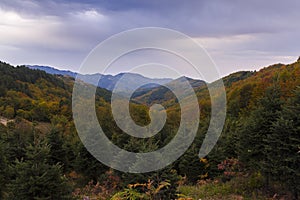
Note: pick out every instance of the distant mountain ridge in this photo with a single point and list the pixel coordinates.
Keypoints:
(161, 94)
(52, 70)
(108, 81)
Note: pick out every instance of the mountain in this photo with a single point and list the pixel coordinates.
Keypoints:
(262, 124)
(36, 95)
(52, 70)
(243, 88)
(107, 81)
(160, 94)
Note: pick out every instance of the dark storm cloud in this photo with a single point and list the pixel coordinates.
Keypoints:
(216, 17)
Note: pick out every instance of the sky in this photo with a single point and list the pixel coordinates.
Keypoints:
(238, 35)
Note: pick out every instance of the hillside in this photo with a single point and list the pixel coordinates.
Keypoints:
(162, 94)
(256, 157)
(243, 88)
(34, 94)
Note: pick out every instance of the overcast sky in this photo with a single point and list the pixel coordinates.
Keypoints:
(238, 35)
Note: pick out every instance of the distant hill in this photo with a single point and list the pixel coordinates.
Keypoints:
(243, 88)
(161, 94)
(107, 81)
(35, 95)
(52, 70)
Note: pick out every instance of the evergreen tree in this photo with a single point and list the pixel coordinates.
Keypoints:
(86, 164)
(285, 149)
(36, 178)
(3, 168)
(254, 141)
(57, 153)
(190, 166)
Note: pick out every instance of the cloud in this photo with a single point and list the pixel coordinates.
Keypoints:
(235, 33)
(69, 32)
(90, 15)
(23, 31)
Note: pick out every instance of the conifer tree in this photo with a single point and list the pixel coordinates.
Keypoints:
(55, 141)
(285, 149)
(3, 168)
(36, 178)
(255, 146)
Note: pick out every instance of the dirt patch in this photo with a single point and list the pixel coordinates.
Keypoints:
(4, 120)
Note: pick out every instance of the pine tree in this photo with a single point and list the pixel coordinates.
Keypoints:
(3, 168)
(36, 178)
(254, 142)
(190, 165)
(57, 153)
(86, 164)
(285, 151)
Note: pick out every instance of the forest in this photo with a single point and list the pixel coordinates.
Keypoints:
(256, 157)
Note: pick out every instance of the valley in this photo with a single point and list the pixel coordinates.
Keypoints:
(256, 157)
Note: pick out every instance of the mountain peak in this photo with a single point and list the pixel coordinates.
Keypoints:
(107, 81)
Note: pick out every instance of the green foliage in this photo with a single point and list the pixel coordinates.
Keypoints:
(57, 153)
(284, 152)
(9, 112)
(235, 77)
(261, 132)
(36, 178)
(191, 166)
(206, 191)
(129, 194)
(149, 190)
(3, 168)
(87, 165)
(254, 144)
(17, 138)
(237, 188)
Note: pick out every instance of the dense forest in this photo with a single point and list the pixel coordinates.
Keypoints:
(256, 157)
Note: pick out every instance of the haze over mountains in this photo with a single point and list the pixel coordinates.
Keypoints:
(108, 82)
